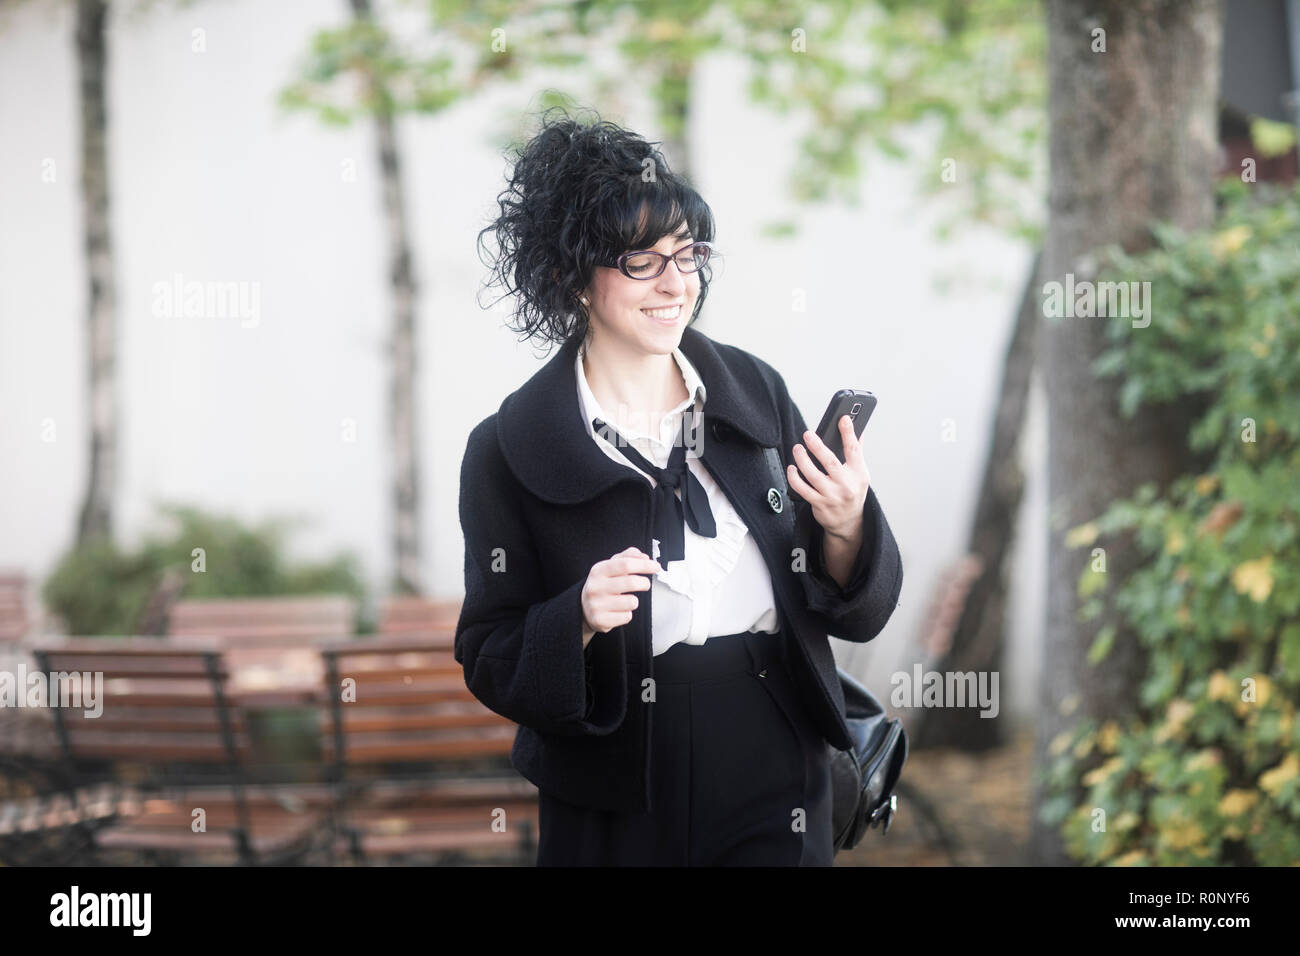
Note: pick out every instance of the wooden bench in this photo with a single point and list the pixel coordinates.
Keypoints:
(167, 724)
(422, 767)
(264, 621)
(265, 632)
(251, 621)
(415, 616)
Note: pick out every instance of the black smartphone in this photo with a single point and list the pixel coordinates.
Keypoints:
(858, 404)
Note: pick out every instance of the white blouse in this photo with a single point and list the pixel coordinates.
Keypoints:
(722, 585)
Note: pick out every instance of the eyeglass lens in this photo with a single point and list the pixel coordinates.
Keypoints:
(651, 263)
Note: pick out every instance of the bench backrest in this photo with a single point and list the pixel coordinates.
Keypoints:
(420, 616)
(393, 700)
(264, 622)
(159, 704)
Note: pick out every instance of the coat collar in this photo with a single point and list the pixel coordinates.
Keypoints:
(545, 443)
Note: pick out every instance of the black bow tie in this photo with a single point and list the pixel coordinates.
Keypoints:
(669, 512)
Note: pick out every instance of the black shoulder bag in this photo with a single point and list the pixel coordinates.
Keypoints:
(864, 776)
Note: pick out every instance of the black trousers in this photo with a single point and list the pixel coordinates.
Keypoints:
(738, 773)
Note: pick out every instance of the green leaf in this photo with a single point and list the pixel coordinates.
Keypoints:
(1289, 651)
(1272, 138)
(1101, 645)
(1130, 396)
(1091, 582)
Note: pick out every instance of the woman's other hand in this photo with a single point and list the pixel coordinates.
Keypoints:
(607, 598)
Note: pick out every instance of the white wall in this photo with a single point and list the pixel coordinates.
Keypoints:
(210, 180)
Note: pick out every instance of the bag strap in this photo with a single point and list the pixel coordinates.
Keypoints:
(777, 471)
(774, 466)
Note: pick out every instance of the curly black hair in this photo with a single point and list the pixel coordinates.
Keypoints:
(578, 196)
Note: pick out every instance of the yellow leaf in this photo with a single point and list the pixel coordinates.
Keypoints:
(1237, 802)
(1204, 759)
(1263, 691)
(1082, 535)
(1131, 858)
(1108, 737)
(1102, 773)
(1059, 743)
(1254, 578)
(1206, 484)
(1183, 837)
(664, 29)
(1127, 820)
(1259, 350)
(1221, 687)
(1229, 242)
(1176, 714)
(1174, 541)
(1271, 781)
(1179, 711)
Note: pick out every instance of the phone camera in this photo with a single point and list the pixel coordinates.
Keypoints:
(857, 407)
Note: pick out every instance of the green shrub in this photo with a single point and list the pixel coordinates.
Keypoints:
(100, 589)
(1207, 771)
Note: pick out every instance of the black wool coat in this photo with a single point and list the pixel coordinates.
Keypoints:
(540, 504)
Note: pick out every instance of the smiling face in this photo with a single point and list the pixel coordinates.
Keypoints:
(645, 316)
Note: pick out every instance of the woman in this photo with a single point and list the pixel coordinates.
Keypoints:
(642, 596)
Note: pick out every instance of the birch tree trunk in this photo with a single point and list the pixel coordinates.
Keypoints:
(403, 434)
(96, 517)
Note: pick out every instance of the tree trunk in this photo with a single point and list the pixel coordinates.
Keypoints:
(1133, 139)
(403, 434)
(96, 518)
(976, 641)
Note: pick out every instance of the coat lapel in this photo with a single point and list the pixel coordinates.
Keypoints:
(541, 433)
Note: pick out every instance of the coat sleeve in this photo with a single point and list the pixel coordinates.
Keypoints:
(857, 612)
(521, 649)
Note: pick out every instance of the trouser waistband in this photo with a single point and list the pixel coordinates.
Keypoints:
(748, 651)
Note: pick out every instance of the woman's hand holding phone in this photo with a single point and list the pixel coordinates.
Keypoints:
(607, 598)
(838, 496)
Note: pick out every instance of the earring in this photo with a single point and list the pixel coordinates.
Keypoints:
(584, 301)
